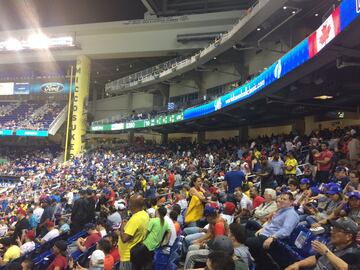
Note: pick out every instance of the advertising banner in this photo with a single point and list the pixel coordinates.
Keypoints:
(79, 114)
(161, 120)
(34, 133)
(6, 132)
(51, 88)
(6, 88)
(22, 88)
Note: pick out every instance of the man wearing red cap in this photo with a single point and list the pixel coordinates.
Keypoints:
(22, 224)
(29, 244)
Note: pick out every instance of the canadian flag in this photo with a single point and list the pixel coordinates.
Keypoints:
(325, 33)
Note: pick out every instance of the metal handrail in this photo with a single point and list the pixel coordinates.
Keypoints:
(167, 67)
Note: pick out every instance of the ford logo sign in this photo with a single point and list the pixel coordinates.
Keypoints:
(52, 87)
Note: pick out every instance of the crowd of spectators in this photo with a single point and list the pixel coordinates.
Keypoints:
(29, 115)
(220, 205)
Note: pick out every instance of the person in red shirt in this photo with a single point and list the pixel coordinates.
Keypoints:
(60, 260)
(324, 162)
(197, 251)
(174, 216)
(256, 198)
(93, 238)
(114, 252)
(105, 246)
(171, 179)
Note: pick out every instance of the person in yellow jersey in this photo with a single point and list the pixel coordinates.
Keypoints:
(290, 165)
(133, 231)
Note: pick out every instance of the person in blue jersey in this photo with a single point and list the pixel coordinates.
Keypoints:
(233, 179)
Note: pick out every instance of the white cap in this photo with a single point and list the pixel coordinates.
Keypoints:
(352, 132)
(151, 212)
(97, 259)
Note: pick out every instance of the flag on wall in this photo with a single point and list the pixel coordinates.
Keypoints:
(325, 33)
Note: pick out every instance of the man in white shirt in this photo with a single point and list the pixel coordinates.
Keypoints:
(243, 201)
(29, 244)
(52, 232)
(38, 211)
(172, 230)
(354, 148)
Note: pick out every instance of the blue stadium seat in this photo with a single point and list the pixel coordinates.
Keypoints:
(167, 261)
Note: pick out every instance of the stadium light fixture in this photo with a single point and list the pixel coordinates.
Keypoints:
(12, 44)
(323, 97)
(37, 41)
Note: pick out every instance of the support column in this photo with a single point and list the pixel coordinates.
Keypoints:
(298, 126)
(79, 114)
(131, 137)
(244, 134)
(201, 137)
(130, 102)
(164, 138)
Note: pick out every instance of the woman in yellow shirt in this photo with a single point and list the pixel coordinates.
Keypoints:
(195, 209)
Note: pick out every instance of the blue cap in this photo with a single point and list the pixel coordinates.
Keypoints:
(209, 210)
(334, 189)
(304, 181)
(354, 194)
(315, 191)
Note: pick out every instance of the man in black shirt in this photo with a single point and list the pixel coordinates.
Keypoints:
(342, 253)
(22, 224)
(265, 174)
(45, 217)
(79, 214)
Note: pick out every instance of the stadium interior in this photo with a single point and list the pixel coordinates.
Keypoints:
(180, 134)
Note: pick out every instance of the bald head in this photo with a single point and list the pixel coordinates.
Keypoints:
(136, 203)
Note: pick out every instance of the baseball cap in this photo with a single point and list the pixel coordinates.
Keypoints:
(50, 224)
(30, 235)
(340, 169)
(304, 181)
(97, 259)
(222, 243)
(89, 226)
(346, 224)
(315, 191)
(21, 211)
(334, 189)
(61, 244)
(354, 194)
(233, 165)
(209, 210)
(229, 208)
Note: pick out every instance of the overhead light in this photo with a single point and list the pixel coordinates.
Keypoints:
(323, 97)
(258, 29)
(214, 57)
(36, 41)
(293, 12)
(316, 14)
(13, 44)
(284, 7)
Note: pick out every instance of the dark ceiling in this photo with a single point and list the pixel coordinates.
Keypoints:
(17, 14)
(180, 7)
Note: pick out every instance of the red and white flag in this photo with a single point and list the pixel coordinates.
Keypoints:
(325, 33)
